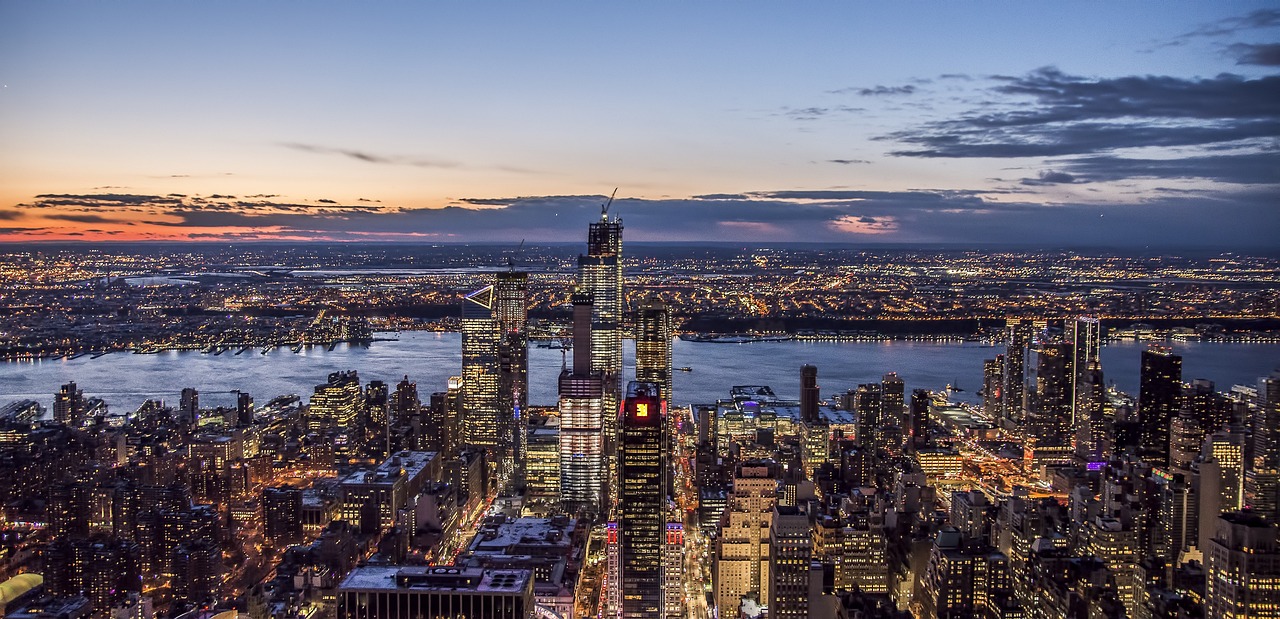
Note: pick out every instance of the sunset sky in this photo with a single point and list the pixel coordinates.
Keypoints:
(1128, 124)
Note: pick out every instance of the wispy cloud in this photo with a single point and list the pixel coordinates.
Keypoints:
(876, 91)
(368, 157)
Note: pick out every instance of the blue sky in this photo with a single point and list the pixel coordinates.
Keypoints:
(849, 122)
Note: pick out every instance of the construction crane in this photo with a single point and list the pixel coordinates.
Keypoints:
(604, 208)
(511, 260)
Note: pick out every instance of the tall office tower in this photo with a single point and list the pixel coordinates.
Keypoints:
(653, 346)
(790, 549)
(742, 546)
(1084, 335)
(511, 311)
(542, 465)
(189, 405)
(335, 405)
(1018, 337)
(893, 401)
(481, 402)
(1159, 388)
(642, 501)
(600, 273)
(673, 571)
(920, 439)
(1092, 429)
(582, 421)
(809, 395)
(69, 405)
(993, 386)
(1264, 471)
(866, 404)
(1049, 405)
(1243, 568)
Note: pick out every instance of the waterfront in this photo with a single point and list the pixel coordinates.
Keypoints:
(125, 380)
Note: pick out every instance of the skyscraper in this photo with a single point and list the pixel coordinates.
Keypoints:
(790, 549)
(809, 393)
(919, 436)
(481, 336)
(1049, 403)
(1243, 564)
(582, 424)
(511, 311)
(653, 346)
(335, 405)
(600, 273)
(642, 501)
(1159, 390)
(1263, 478)
(993, 386)
(1018, 337)
(892, 409)
(1092, 430)
(1084, 335)
(68, 405)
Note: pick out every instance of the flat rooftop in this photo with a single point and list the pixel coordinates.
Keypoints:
(374, 578)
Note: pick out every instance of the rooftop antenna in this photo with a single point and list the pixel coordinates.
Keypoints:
(604, 209)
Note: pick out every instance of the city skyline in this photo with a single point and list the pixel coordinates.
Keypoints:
(1122, 125)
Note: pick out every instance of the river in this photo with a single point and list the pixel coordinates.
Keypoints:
(125, 380)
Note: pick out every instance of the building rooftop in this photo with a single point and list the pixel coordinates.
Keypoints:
(399, 578)
(406, 464)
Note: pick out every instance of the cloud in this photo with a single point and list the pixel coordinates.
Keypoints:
(848, 161)
(877, 91)
(1247, 168)
(368, 157)
(816, 112)
(1050, 113)
(1050, 177)
(1261, 18)
(1266, 54)
(87, 218)
(786, 215)
(326, 201)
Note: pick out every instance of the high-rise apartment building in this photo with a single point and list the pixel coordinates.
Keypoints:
(993, 386)
(582, 420)
(642, 501)
(69, 405)
(1084, 337)
(1013, 375)
(1160, 388)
